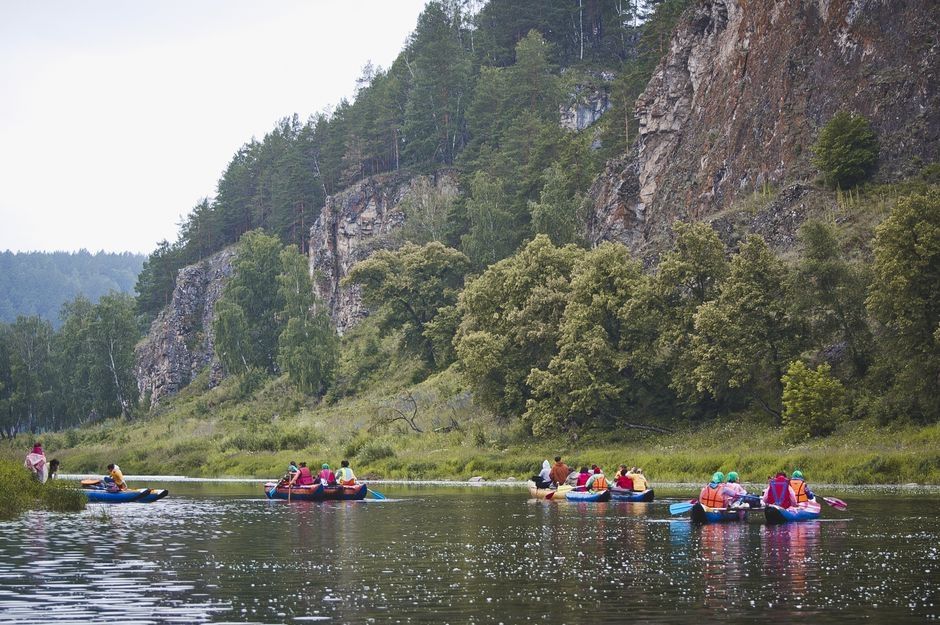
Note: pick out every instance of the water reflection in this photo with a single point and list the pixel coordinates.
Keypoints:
(455, 555)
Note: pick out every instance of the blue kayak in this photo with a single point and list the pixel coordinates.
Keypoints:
(624, 494)
(588, 495)
(96, 495)
(154, 495)
(703, 514)
(806, 512)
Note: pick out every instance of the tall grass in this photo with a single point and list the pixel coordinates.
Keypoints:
(19, 492)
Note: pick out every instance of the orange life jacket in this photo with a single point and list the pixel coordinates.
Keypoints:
(599, 483)
(799, 487)
(713, 497)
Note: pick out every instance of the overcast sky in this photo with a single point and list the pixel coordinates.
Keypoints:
(117, 117)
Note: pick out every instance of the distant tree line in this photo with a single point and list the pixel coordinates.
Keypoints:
(39, 283)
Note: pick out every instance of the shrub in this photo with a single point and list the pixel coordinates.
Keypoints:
(373, 452)
(813, 401)
(846, 150)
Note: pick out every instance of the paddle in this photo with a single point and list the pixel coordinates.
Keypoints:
(838, 504)
(375, 494)
(681, 507)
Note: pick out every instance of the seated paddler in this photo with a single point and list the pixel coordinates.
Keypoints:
(345, 475)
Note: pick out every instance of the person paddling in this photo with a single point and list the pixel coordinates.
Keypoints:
(302, 477)
(327, 478)
(115, 478)
(624, 480)
(802, 492)
(779, 492)
(713, 494)
(640, 483)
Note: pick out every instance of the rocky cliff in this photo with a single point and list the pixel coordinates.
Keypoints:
(353, 225)
(180, 342)
(737, 103)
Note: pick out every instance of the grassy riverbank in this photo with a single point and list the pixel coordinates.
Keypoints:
(20, 492)
(220, 432)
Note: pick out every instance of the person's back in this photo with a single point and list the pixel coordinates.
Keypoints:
(597, 482)
(779, 493)
(583, 477)
(345, 475)
(326, 476)
(639, 481)
(304, 476)
(559, 471)
(117, 476)
(624, 481)
(733, 488)
(798, 484)
(713, 494)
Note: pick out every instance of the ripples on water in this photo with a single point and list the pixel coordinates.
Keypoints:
(471, 556)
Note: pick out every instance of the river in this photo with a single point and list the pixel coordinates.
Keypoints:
(222, 553)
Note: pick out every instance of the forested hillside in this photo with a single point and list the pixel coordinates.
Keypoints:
(38, 283)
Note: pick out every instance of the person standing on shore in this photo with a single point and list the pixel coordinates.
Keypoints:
(36, 463)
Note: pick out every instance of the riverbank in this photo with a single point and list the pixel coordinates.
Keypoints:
(20, 492)
(858, 453)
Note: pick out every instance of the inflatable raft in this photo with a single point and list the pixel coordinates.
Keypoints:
(805, 512)
(315, 492)
(703, 514)
(623, 494)
(588, 495)
(553, 494)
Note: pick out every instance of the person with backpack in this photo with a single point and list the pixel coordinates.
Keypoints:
(779, 492)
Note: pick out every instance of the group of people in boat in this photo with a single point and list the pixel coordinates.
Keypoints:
(36, 463)
(301, 475)
(782, 490)
(593, 479)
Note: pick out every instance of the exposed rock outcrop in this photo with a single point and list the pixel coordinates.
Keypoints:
(737, 102)
(180, 342)
(352, 226)
(589, 102)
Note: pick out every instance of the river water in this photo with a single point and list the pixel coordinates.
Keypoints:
(433, 554)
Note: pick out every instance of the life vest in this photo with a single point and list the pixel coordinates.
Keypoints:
(799, 487)
(345, 476)
(583, 478)
(599, 483)
(639, 481)
(327, 476)
(713, 497)
(625, 481)
(305, 478)
(778, 493)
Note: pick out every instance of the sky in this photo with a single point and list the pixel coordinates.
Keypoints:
(117, 117)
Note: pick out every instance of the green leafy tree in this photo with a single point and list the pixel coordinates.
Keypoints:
(814, 402)
(491, 235)
(743, 339)
(427, 209)
(604, 369)
(846, 151)
(509, 322)
(308, 347)
(409, 287)
(557, 211)
(247, 323)
(831, 294)
(905, 298)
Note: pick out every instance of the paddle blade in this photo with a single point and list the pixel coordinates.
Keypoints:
(376, 494)
(838, 504)
(680, 508)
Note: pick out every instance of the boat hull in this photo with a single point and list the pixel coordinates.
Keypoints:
(703, 514)
(154, 495)
(588, 495)
(122, 496)
(775, 515)
(316, 492)
(622, 494)
(551, 494)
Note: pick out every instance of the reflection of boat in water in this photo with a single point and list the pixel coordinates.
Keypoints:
(808, 511)
(624, 494)
(553, 494)
(315, 492)
(702, 514)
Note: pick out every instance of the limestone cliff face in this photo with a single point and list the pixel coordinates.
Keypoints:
(180, 342)
(352, 226)
(738, 100)
(588, 103)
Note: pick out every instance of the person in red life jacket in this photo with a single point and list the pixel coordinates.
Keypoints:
(36, 462)
(802, 492)
(779, 492)
(713, 494)
(583, 477)
(303, 476)
(624, 481)
(598, 481)
(327, 478)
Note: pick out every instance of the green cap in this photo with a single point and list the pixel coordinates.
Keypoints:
(325, 466)
(797, 474)
(733, 476)
(718, 477)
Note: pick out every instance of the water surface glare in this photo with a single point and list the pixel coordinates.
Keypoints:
(435, 554)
